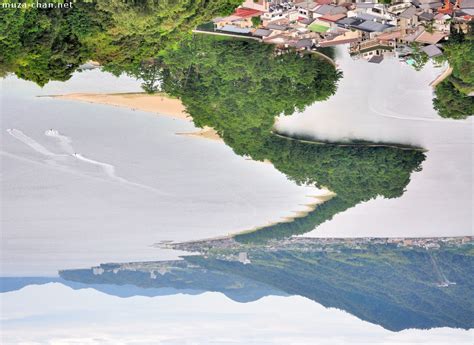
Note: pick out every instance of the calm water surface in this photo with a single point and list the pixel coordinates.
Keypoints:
(139, 184)
(392, 102)
(65, 213)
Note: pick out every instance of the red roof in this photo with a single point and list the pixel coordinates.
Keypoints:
(324, 2)
(332, 17)
(247, 12)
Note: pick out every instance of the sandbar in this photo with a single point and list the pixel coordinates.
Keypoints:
(441, 77)
(158, 103)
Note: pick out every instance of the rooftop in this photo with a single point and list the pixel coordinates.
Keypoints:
(317, 27)
(365, 5)
(307, 5)
(432, 50)
(304, 43)
(332, 17)
(247, 12)
(367, 16)
(305, 21)
(426, 16)
(277, 27)
(467, 4)
(330, 9)
(432, 5)
(387, 36)
(324, 2)
(370, 26)
(349, 21)
(376, 59)
(408, 13)
(430, 38)
(235, 29)
(262, 32)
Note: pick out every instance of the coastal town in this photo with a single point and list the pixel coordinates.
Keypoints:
(373, 29)
(227, 248)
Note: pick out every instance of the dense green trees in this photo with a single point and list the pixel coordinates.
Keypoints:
(41, 45)
(453, 98)
(452, 103)
(382, 284)
(418, 57)
(452, 95)
(238, 87)
(459, 53)
(49, 44)
(395, 287)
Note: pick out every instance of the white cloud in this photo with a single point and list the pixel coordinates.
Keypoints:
(55, 314)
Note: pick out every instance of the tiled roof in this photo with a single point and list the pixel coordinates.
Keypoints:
(426, 16)
(432, 50)
(389, 36)
(332, 17)
(408, 13)
(276, 27)
(330, 9)
(349, 21)
(376, 59)
(336, 42)
(304, 43)
(430, 38)
(262, 32)
(247, 12)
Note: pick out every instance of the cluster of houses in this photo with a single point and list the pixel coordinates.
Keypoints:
(230, 250)
(374, 29)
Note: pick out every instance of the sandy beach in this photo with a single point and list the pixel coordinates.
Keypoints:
(323, 196)
(160, 104)
(319, 199)
(441, 77)
(205, 133)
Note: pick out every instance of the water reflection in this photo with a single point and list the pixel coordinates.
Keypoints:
(238, 88)
(395, 283)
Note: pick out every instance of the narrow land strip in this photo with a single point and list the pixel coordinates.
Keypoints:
(441, 77)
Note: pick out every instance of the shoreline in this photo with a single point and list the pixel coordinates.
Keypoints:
(319, 200)
(440, 78)
(204, 133)
(159, 104)
(353, 143)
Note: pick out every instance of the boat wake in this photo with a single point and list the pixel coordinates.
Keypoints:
(60, 160)
(393, 115)
(64, 142)
(19, 135)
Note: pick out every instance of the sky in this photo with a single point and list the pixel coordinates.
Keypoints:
(65, 316)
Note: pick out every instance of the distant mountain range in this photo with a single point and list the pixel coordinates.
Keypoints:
(8, 284)
(395, 286)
